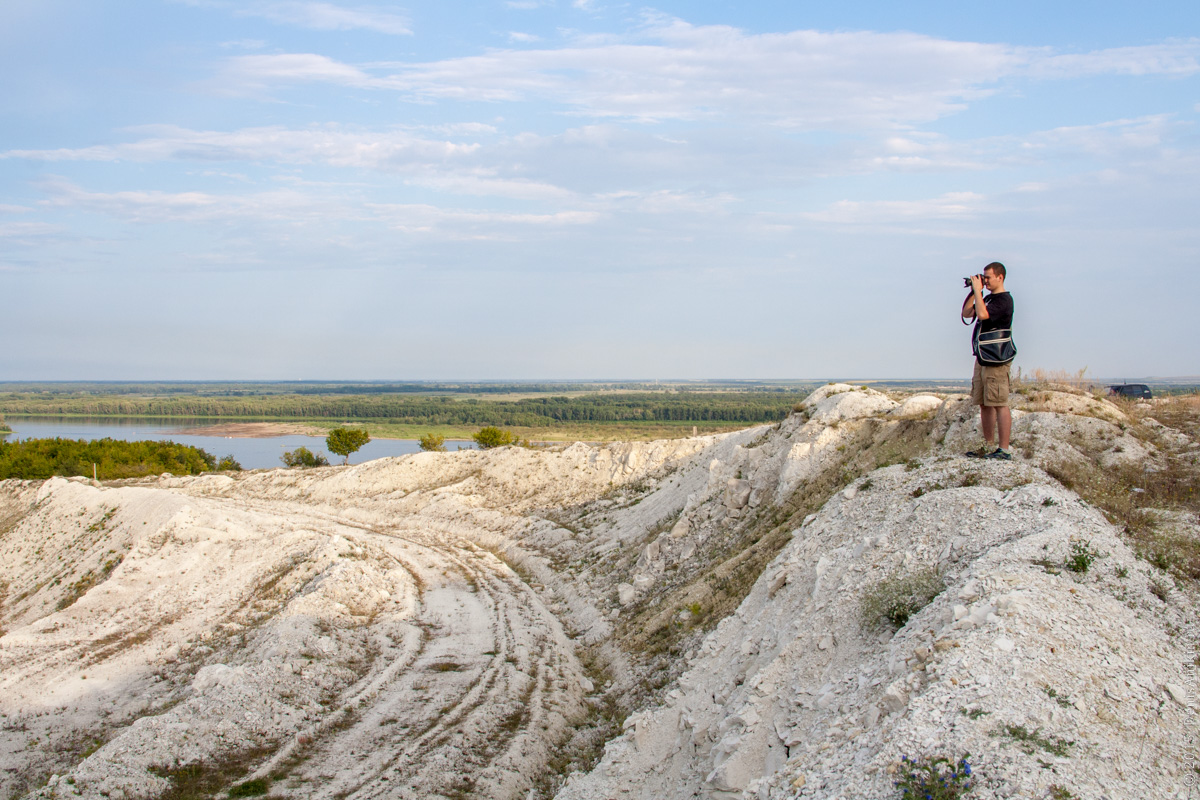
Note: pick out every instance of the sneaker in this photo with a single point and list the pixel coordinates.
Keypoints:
(1000, 455)
(980, 453)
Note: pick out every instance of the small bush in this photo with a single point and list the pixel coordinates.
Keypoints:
(896, 598)
(1081, 558)
(935, 779)
(303, 457)
(432, 443)
(251, 788)
(491, 436)
(229, 463)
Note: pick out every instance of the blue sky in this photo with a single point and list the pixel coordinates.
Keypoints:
(283, 189)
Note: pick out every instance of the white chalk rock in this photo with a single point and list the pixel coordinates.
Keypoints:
(851, 405)
(916, 406)
(737, 493)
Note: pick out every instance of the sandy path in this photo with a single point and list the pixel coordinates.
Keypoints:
(254, 430)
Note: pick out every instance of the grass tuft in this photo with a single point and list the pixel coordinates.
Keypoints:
(1033, 740)
(896, 598)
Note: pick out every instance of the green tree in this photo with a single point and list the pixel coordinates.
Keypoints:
(229, 463)
(344, 441)
(491, 436)
(303, 457)
(431, 442)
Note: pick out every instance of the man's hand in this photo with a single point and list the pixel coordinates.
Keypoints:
(977, 283)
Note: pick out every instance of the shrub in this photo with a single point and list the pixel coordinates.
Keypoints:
(896, 598)
(229, 463)
(1082, 556)
(344, 441)
(432, 443)
(37, 459)
(936, 779)
(251, 788)
(492, 436)
(303, 457)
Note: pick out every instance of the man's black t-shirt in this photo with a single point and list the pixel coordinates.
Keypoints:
(999, 306)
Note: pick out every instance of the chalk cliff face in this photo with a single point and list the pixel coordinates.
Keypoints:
(474, 624)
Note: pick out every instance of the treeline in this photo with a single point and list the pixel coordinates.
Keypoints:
(698, 407)
(37, 459)
(252, 388)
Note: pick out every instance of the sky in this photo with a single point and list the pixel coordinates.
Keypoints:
(583, 189)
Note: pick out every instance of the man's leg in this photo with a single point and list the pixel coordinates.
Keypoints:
(987, 418)
(1004, 420)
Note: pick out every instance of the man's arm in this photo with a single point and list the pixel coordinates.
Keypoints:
(979, 308)
(968, 309)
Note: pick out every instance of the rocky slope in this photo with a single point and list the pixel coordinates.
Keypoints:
(477, 624)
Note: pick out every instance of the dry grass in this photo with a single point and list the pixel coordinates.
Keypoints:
(1181, 412)
(206, 779)
(896, 598)
(1134, 499)
(1046, 378)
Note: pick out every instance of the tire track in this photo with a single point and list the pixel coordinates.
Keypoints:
(461, 706)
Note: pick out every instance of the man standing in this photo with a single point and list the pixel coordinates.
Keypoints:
(989, 385)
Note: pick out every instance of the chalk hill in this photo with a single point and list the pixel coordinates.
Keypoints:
(660, 620)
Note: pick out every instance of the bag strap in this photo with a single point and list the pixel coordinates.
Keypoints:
(966, 320)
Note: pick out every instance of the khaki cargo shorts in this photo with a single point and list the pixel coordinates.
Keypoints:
(989, 385)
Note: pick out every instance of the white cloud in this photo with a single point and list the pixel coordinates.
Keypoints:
(313, 15)
(949, 206)
(672, 70)
(391, 149)
(1126, 138)
(296, 209)
(524, 38)
(287, 206)
(23, 230)
(254, 73)
(326, 16)
(666, 201)
(1178, 58)
(484, 184)
(417, 218)
(244, 44)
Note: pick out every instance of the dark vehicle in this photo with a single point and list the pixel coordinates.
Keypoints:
(1138, 390)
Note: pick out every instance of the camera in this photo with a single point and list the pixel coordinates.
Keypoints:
(967, 281)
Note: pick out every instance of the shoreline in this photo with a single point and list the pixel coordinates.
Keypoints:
(254, 430)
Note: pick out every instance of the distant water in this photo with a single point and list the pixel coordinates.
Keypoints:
(250, 453)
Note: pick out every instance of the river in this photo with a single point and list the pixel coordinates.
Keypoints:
(250, 453)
